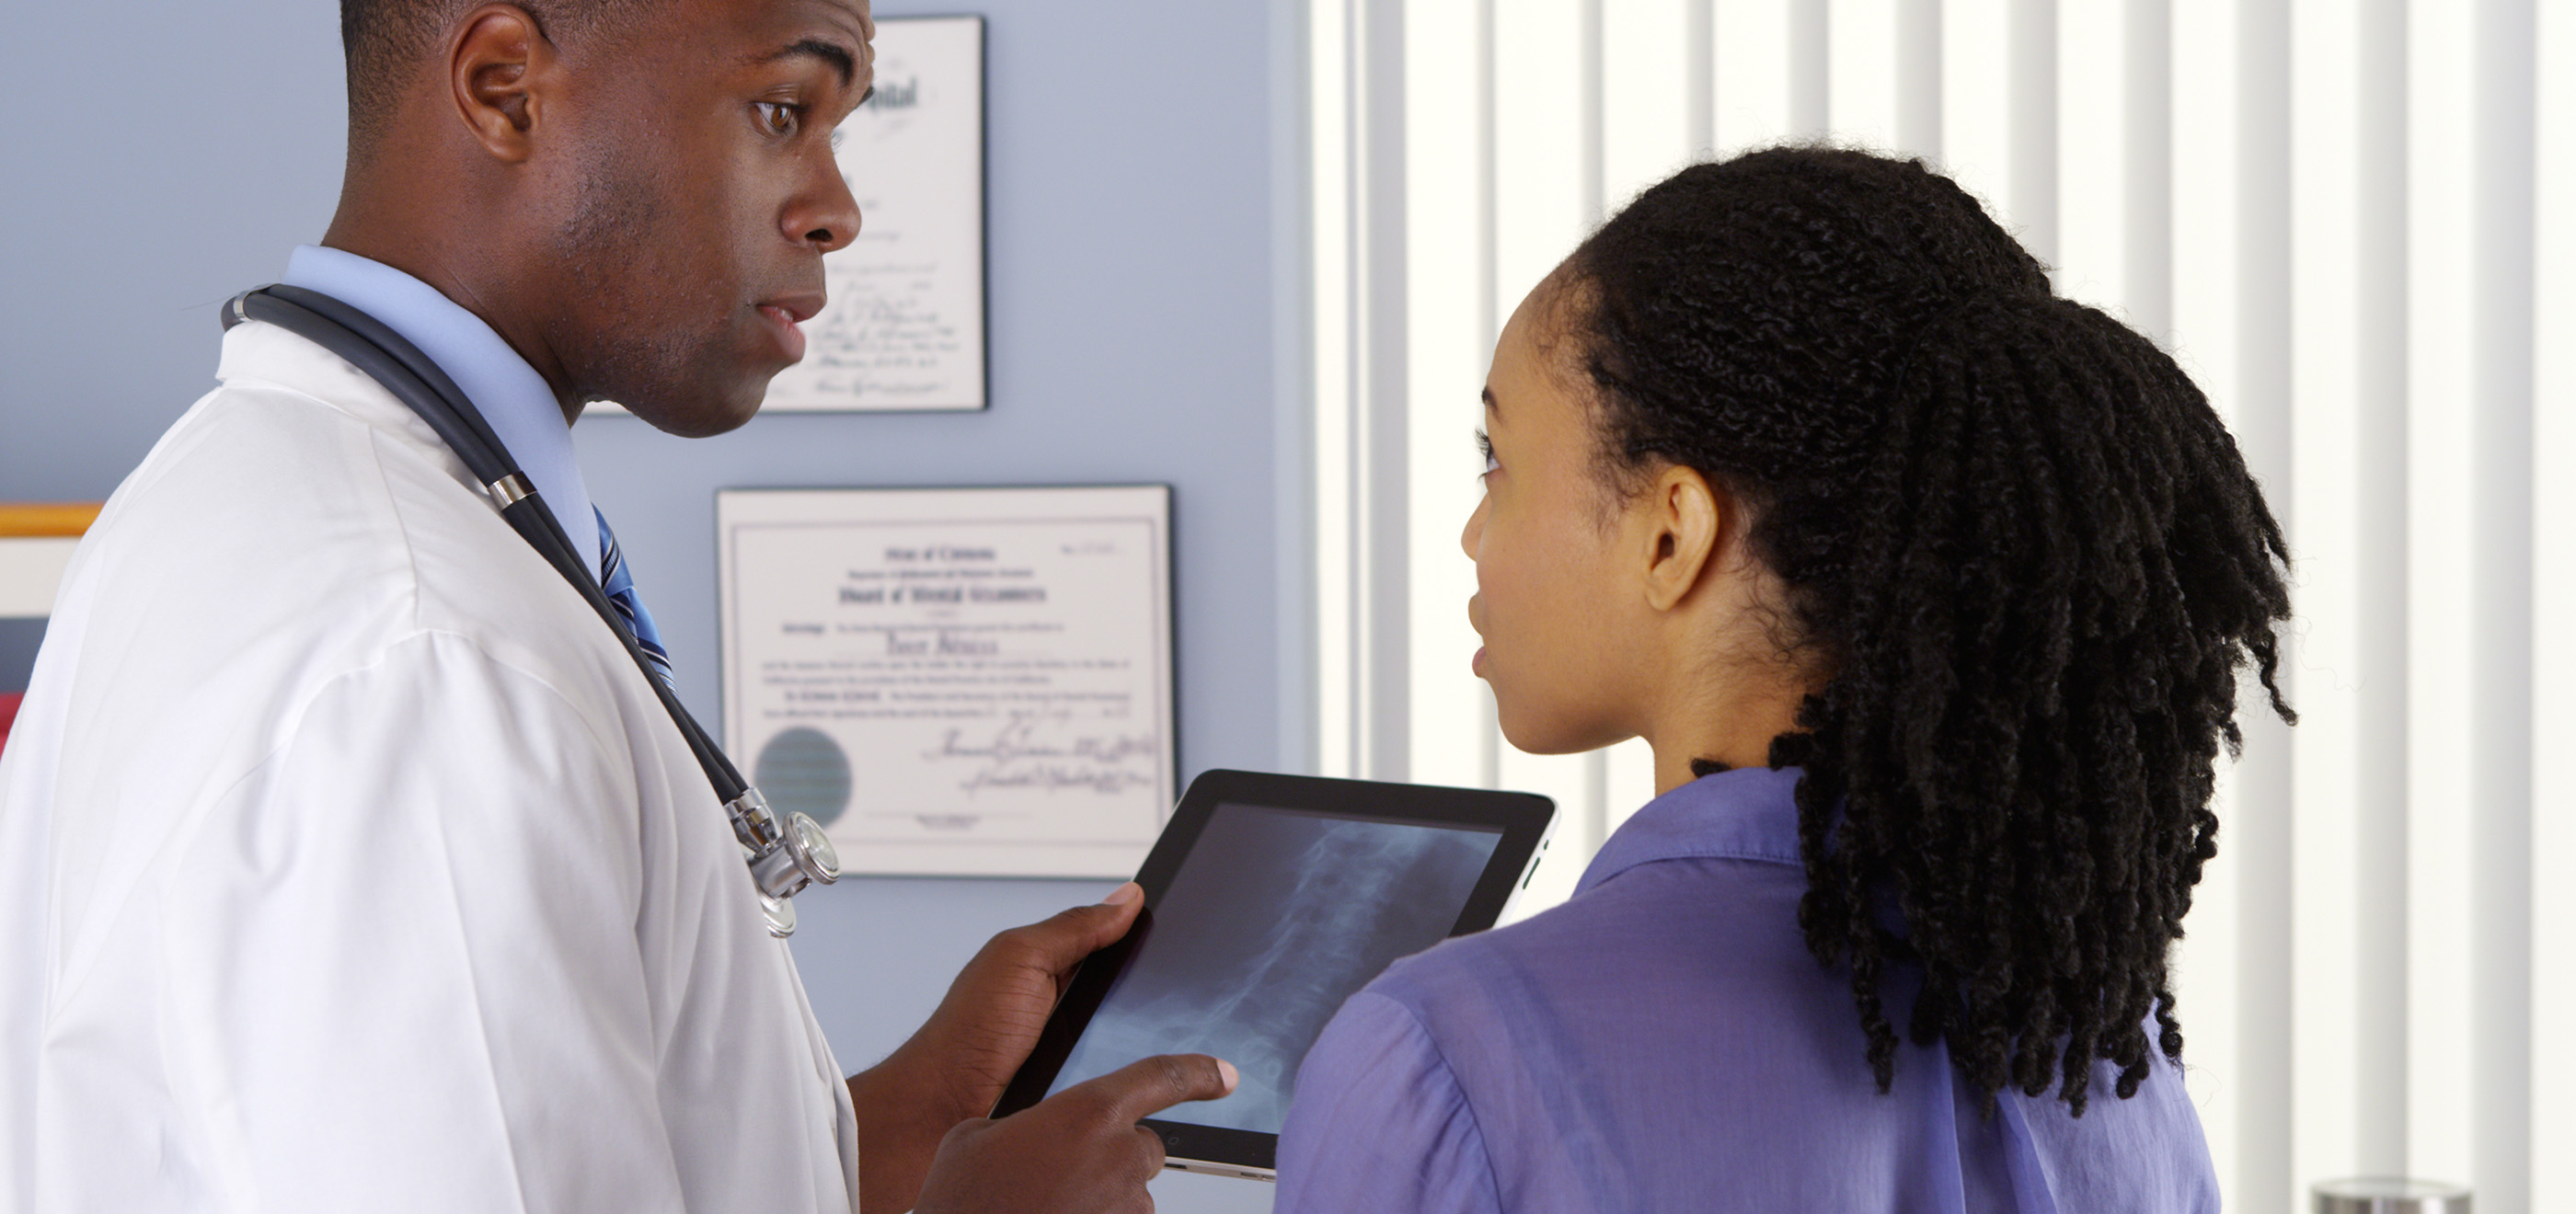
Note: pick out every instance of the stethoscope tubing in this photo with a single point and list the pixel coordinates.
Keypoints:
(385, 356)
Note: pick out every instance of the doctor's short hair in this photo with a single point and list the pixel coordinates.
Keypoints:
(386, 40)
(2020, 545)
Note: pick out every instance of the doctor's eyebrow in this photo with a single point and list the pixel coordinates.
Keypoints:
(828, 51)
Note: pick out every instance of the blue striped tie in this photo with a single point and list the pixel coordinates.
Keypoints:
(619, 586)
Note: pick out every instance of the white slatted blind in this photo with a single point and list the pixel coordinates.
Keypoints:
(2354, 221)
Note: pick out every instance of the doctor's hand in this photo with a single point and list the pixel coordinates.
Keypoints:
(1078, 1150)
(955, 1067)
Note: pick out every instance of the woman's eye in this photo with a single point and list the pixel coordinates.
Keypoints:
(778, 117)
(1485, 447)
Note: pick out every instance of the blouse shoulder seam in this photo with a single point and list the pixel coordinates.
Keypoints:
(1475, 1125)
(1746, 855)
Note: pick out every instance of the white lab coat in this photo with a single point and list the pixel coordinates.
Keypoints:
(348, 863)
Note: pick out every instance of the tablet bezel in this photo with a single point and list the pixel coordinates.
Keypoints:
(1524, 820)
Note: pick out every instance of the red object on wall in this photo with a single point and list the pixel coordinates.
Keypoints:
(8, 712)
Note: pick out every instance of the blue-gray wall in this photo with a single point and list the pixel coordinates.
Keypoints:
(161, 156)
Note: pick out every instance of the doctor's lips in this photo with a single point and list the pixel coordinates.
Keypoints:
(784, 313)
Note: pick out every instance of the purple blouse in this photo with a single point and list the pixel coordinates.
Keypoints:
(1664, 1041)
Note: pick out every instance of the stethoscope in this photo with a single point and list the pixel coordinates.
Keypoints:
(784, 857)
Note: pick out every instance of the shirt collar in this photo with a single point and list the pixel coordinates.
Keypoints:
(512, 397)
(1750, 813)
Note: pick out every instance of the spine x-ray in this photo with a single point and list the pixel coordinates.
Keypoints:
(1276, 917)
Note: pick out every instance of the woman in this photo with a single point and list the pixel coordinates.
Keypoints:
(1930, 591)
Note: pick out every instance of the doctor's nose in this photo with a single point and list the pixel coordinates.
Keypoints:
(826, 217)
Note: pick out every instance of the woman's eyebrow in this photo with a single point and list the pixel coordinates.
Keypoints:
(1491, 406)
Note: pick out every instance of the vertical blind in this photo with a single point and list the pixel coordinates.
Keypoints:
(2353, 221)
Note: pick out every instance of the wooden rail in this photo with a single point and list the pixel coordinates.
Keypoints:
(47, 518)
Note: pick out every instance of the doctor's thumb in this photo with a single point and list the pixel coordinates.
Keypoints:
(1105, 922)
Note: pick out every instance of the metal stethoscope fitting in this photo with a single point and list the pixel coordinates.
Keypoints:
(783, 861)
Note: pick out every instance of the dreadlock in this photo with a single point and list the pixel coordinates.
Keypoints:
(2021, 543)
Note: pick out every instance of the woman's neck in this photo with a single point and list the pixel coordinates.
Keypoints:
(1736, 732)
(1725, 703)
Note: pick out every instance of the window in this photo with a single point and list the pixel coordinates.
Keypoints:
(2354, 223)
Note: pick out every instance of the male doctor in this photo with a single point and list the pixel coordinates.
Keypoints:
(347, 861)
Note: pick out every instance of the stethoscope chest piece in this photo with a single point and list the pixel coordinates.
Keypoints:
(785, 856)
(780, 914)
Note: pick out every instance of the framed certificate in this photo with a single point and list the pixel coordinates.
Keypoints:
(967, 682)
(904, 328)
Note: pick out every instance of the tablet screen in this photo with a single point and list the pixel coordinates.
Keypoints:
(1275, 918)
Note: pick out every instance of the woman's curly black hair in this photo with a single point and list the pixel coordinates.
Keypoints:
(2023, 551)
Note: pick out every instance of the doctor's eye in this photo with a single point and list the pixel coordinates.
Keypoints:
(778, 117)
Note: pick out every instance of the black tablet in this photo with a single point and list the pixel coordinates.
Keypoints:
(1269, 900)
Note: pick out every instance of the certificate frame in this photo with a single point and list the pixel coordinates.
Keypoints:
(916, 157)
(1023, 725)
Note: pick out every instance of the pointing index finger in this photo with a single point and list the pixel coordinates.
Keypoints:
(1142, 1089)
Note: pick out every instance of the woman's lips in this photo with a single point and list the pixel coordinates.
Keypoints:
(1476, 664)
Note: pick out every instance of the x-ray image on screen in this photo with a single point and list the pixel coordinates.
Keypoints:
(1275, 919)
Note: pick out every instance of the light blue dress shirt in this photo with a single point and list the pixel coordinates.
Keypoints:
(513, 398)
(1665, 1042)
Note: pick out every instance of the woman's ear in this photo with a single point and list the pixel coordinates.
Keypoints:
(1684, 517)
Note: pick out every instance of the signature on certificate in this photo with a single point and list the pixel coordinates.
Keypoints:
(1047, 752)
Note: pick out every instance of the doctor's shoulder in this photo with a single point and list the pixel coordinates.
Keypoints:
(296, 524)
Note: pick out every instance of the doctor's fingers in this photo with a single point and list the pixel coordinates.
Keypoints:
(1060, 942)
(1041, 1161)
(1142, 1089)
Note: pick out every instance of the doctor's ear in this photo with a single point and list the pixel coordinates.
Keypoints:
(1683, 523)
(500, 68)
